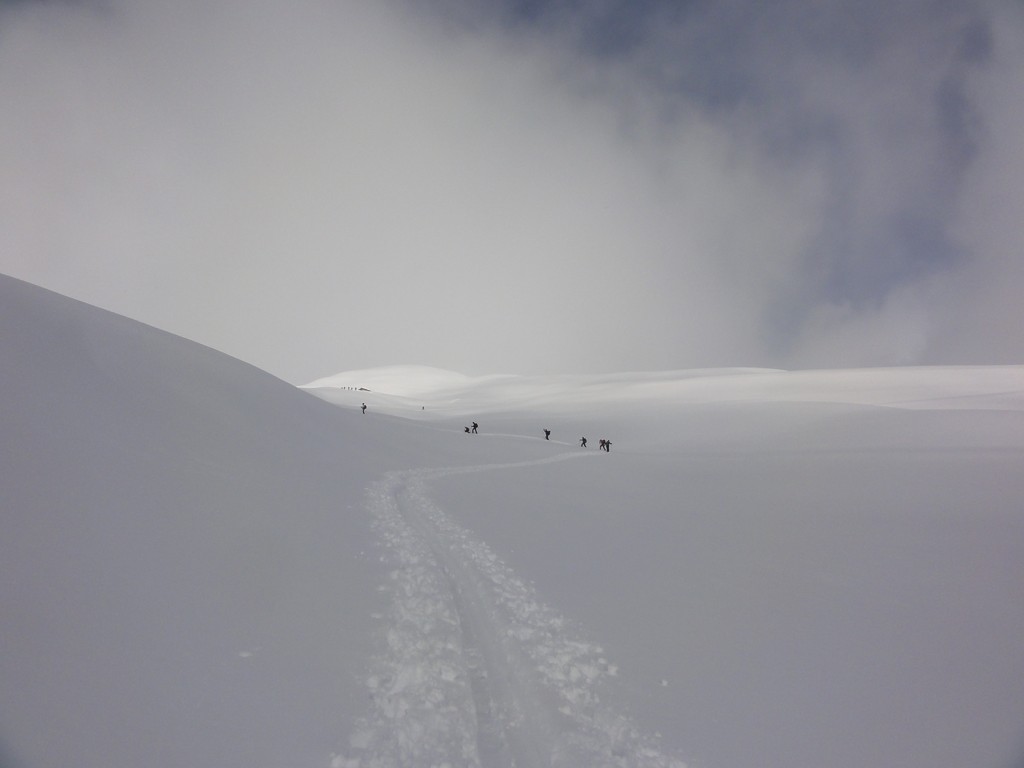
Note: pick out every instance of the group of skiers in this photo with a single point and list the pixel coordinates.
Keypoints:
(603, 445)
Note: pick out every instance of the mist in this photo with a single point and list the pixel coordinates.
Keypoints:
(594, 187)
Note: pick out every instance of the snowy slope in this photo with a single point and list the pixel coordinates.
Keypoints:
(201, 565)
(791, 568)
(184, 577)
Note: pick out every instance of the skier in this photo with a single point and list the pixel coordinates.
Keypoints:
(475, 425)
(601, 444)
(547, 434)
(364, 407)
(467, 430)
(583, 442)
(607, 446)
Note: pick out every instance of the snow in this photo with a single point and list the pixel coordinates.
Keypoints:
(202, 565)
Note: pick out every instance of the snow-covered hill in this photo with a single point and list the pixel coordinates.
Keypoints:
(201, 565)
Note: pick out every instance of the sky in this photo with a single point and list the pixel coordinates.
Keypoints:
(524, 186)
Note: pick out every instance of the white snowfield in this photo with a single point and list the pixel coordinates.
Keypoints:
(201, 565)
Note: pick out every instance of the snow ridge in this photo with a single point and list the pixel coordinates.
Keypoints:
(476, 670)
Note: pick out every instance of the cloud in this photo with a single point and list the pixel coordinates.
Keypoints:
(984, 319)
(328, 185)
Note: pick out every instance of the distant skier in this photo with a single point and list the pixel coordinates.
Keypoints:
(364, 407)
(467, 430)
(475, 425)
(607, 446)
(547, 434)
(583, 442)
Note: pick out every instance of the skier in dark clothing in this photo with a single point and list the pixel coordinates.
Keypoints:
(364, 407)
(547, 434)
(583, 442)
(607, 446)
(475, 425)
(467, 430)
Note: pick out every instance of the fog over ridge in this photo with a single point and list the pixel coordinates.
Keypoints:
(525, 187)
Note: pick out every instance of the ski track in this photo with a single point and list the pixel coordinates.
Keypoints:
(474, 669)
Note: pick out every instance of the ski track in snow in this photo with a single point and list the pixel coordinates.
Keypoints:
(475, 670)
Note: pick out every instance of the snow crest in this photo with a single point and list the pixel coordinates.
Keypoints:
(475, 669)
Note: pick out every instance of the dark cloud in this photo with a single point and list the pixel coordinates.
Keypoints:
(877, 97)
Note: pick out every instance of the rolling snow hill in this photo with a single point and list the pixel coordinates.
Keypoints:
(204, 566)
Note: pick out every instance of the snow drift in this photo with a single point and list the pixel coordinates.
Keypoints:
(202, 565)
